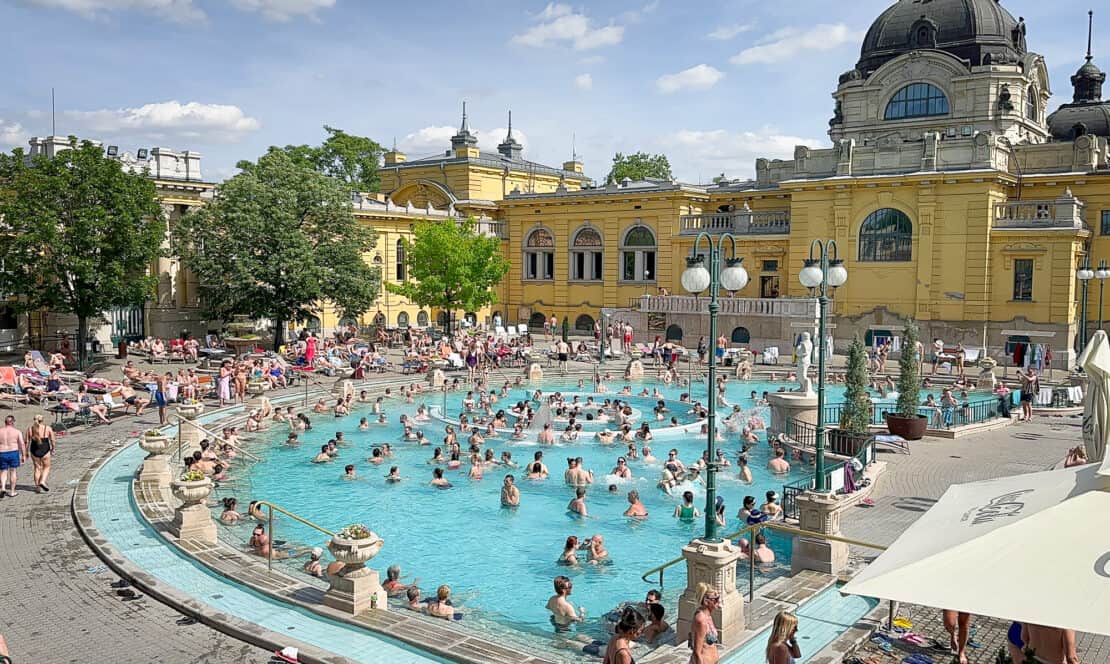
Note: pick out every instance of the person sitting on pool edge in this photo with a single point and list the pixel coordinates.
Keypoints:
(657, 627)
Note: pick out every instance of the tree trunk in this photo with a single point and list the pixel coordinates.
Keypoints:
(82, 333)
(279, 334)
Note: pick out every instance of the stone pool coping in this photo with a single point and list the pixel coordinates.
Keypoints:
(434, 637)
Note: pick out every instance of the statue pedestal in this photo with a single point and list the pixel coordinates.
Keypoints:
(535, 371)
(192, 519)
(786, 406)
(354, 595)
(635, 370)
(819, 513)
(715, 564)
(342, 388)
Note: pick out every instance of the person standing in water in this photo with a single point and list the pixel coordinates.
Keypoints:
(510, 494)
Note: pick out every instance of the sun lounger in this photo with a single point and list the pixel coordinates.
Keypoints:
(771, 355)
(9, 387)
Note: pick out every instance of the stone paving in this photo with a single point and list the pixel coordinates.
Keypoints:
(913, 482)
(58, 604)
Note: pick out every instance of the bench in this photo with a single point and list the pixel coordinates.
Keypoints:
(950, 354)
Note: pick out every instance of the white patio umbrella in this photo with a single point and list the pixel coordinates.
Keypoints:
(1095, 360)
(1034, 548)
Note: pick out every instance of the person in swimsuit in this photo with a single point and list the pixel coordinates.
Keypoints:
(686, 511)
(629, 628)
(782, 645)
(510, 494)
(13, 452)
(40, 443)
(439, 607)
(703, 633)
(563, 615)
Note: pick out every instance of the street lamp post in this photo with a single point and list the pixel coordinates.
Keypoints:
(1102, 274)
(696, 279)
(1084, 274)
(821, 272)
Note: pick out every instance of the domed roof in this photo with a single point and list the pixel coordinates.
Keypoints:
(1073, 120)
(975, 30)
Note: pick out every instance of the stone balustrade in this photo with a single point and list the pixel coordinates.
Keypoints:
(1064, 212)
(730, 306)
(741, 222)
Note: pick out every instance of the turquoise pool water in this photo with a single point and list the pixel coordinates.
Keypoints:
(115, 515)
(820, 620)
(500, 562)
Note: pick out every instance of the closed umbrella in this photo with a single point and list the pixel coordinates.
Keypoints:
(1095, 360)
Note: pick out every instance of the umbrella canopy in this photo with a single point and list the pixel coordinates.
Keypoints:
(1095, 360)
(1032, 547)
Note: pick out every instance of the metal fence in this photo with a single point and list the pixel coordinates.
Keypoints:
(969, 412)
(833, 474)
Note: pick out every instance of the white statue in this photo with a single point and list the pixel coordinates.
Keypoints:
(804, 351)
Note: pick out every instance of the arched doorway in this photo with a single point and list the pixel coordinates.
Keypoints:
(674, 333)
(584, 323)
(874, 336)
(422, 318)
(537, 320)
(740, 335)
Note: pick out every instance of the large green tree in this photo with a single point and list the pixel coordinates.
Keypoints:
(346, 157)
(278, 240)
(77, 234)
(451, 266)
(639, 166)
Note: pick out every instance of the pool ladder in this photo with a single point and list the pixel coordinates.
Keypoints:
(270, 509)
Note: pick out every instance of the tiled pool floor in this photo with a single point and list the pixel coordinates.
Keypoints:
(118, 521)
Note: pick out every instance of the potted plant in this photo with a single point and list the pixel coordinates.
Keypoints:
(154, 442)
(905, 421)
(190, 410)
(192, 488)
(855, 416)
(354, 545)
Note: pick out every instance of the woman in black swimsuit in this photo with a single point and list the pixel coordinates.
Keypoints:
(40, 439)
(630, 627)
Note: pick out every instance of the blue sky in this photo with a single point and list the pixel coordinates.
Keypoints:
(712, 84)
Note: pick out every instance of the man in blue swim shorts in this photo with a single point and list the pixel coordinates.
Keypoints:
(13, 452)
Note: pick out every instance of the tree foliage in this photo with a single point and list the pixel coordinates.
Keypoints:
(348, 158)
(855, 417)
(277, 241)
(450, 266)
(78, 233)
(909, 380)
(639, 166)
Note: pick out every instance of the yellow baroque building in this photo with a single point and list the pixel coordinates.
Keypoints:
(954, 197)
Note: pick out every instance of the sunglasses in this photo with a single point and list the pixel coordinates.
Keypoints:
(713, 598)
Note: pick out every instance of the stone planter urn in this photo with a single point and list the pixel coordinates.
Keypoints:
(256, 388)
(155, 466)
(356, 587)
(190, 411)
(192, 519)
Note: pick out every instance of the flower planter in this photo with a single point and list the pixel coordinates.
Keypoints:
(256, 388)
(846, 443)
(191, 493)
(355, 553)
(153, 445)
(192, 519)
(356, 587)
(155, 466)
(190, 411)
(910, 428)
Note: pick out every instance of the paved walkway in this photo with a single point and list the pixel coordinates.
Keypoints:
(914, 482)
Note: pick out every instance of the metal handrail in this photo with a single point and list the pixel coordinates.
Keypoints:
(270, 507)
(214, 435)
(670, 563)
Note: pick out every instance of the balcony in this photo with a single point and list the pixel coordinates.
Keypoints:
(741, 222)
(730, 306)
(490, 228)
(1065, 212)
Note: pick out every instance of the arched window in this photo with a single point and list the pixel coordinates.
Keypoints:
(539, 255)
(422, 318)
(886, 236)
(402, 319)
(312, 324)
(1031, 108)
(586, 256)
(441, 318)
(537, 320)
(638, 255)
(674, 333)
(916, 100)
(740, 335)
(584, 323)
(400, 260)
(471, 318)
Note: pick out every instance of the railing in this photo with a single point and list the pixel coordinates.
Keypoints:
(730, 306)
(834, 479)
(213, 434)
(1063, 212)
(747, 222)
(972, 412)
(270, 507)
(491, 228)
(753, 530)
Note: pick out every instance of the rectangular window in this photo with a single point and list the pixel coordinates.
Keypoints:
(648, 273)
(628, 266)
(597, 266)
(1104, 228)
(579, 266)
(548, 266)
(769, 286)
(531, 265)
(400, 271)
(771, 266)
(638, 266)
(1023, 279)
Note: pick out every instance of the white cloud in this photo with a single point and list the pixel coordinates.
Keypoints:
(284, 10)
(584, 82)
(726, 32)
(559, 24)
(12, 134)
(699, 77)
(169, 120)
(636, 15)
(785, 43)
(437, 139)
(732, 152)
(178, 11)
